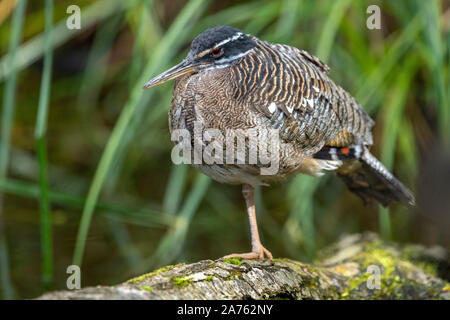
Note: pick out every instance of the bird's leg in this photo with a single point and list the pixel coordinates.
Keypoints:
(258, 251)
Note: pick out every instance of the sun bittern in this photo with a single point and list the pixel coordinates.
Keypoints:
(234, 81)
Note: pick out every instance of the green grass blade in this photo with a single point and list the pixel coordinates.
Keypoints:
(394, 112)
(384, 221)
(325, 44)
(91, 86)
(287, 20)
(229, 16)
(376, 79)
(299, 226)
(174, 189)
(122, 238)
(45, 215)
(96, 66)
(141, 33)
(263, 17)
(151, 218)
(41, 146)
(5, 139)
(33, 49)
(172, 243)
(434, 44)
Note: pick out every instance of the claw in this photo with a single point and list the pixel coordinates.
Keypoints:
(257, 253)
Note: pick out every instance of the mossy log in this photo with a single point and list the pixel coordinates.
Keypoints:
(357, 267)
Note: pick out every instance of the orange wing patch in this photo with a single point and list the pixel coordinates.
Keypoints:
(345, 151)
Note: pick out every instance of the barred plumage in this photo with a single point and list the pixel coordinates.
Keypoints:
(231, 80)
(298, 85)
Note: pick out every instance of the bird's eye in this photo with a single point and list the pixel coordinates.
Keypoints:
(216, 52)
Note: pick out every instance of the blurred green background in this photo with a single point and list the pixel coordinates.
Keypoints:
(85, 169)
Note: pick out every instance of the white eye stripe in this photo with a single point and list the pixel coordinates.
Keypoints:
(208, 51)
(235, 37)
(224, 62)
(228, 59)
(215, 67)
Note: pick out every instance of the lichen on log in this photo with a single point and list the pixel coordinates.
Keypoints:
(358, 266)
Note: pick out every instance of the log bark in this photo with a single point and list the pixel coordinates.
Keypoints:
(358, 266)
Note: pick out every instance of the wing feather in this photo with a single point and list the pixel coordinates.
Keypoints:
(301, 100)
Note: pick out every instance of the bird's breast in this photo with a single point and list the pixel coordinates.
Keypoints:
(207, 98)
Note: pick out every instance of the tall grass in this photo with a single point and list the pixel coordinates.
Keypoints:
(41, 147)
(172, 243)
(9, 98)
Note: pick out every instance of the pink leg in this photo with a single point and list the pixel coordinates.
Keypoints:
(258, 251)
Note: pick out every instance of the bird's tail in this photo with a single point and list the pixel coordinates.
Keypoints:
(369, 178)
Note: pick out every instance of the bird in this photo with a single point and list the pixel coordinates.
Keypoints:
(231, 81)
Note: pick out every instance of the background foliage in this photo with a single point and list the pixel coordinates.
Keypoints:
(85, 169)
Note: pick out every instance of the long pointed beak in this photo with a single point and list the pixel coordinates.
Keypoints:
(182, 68)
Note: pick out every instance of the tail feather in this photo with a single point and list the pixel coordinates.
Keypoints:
(369, 178)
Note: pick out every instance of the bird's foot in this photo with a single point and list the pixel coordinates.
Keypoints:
(257, 253)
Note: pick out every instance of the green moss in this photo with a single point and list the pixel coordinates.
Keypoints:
(280, 260)
(235, 261)
(183, 281)
(375, 254)
(395, 274)
(354, 284)
(152, 274)
(427, 266)
(311, 283)
(208, 278)
(147, 288)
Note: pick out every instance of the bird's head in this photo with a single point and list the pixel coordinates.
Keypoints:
(218, 47)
